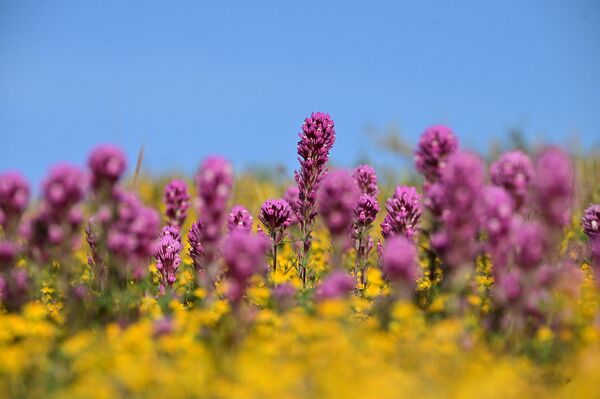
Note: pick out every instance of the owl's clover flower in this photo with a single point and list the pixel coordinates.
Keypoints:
(177, 201)
(244, 255)
(107, 164)
(275, 215)
(366, 210)
(215, 181)
(239, 219)
(196, 250)
(531, 244)
(461, 186)
(132, 235)
(591, 221)
(336, 285)
(14, 197)
(292, 196)
(366, 180)
(338, 196)
(497, 221)
(167, 260)
(513, 171)
(403, 213)
(316, 140)
(63, 188)
(554, 186)
(399, 261)
(436, 144)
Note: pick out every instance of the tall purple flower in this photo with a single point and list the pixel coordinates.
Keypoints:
(403, 213)
(215, 182)
(366, 180)
(239, 219)
(554, 186)
(14, 197)
(591, 221)
(244, 255)
(461, 184)
(316, 140)
(335, 286)
(196, 249)
(497, 220)
(177, 201)
(132, 235)
(436, 144)
(338, 196)
(168, 260)
(63, 188)
(513, 171)
(275, 215)
(399, 262)
(107, 163)
(365, 212)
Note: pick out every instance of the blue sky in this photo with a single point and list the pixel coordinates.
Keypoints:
(188, 79)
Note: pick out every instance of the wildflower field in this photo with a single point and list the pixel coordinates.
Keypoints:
(471, 278)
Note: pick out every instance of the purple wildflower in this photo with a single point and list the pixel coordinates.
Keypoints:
(64, 187)
(531, 244)
(591, 221)
(107, 163)
(554, 185)
(436, 144)
(171, 231)
(133, 235)
(366, 210)
(168, 260)
(316, 140)
(338, 196)
(336, 285)
(366, 180)
(14, 197)
(196, 248)
(177, 200)
(8, 254)
(243, 255)
(275, 215)
(403, 213)
(513, 171)
(461, 185)
(239, 219)
(399, 260)
(497, 222)
(215, 182)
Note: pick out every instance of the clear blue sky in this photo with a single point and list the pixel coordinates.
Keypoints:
(188, 79)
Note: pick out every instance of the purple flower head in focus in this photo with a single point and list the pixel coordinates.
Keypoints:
(403, 213)
(196, 247)
(177, 201)
(513, 171)
(316, 140)
(591, 221)
(275, 215)
(14, 197)
(336, 285)
(554, 186)
(366, 210)
(399, 260)
(168, 260)
(239, 219)
(107, 164)
(244, 255)
(436, 144)
(366, 180)
(338, 196)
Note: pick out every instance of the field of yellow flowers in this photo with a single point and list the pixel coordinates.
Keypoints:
(476, 282)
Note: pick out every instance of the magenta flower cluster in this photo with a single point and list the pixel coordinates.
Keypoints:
(338, 196)
(399, 261)
(403, 213)
(177, 202)
(366, 180)
(513, 171)
(239, 219)
(436, 144)
(107, 164)
(167, 259)
(14, 197)
(554, 186)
